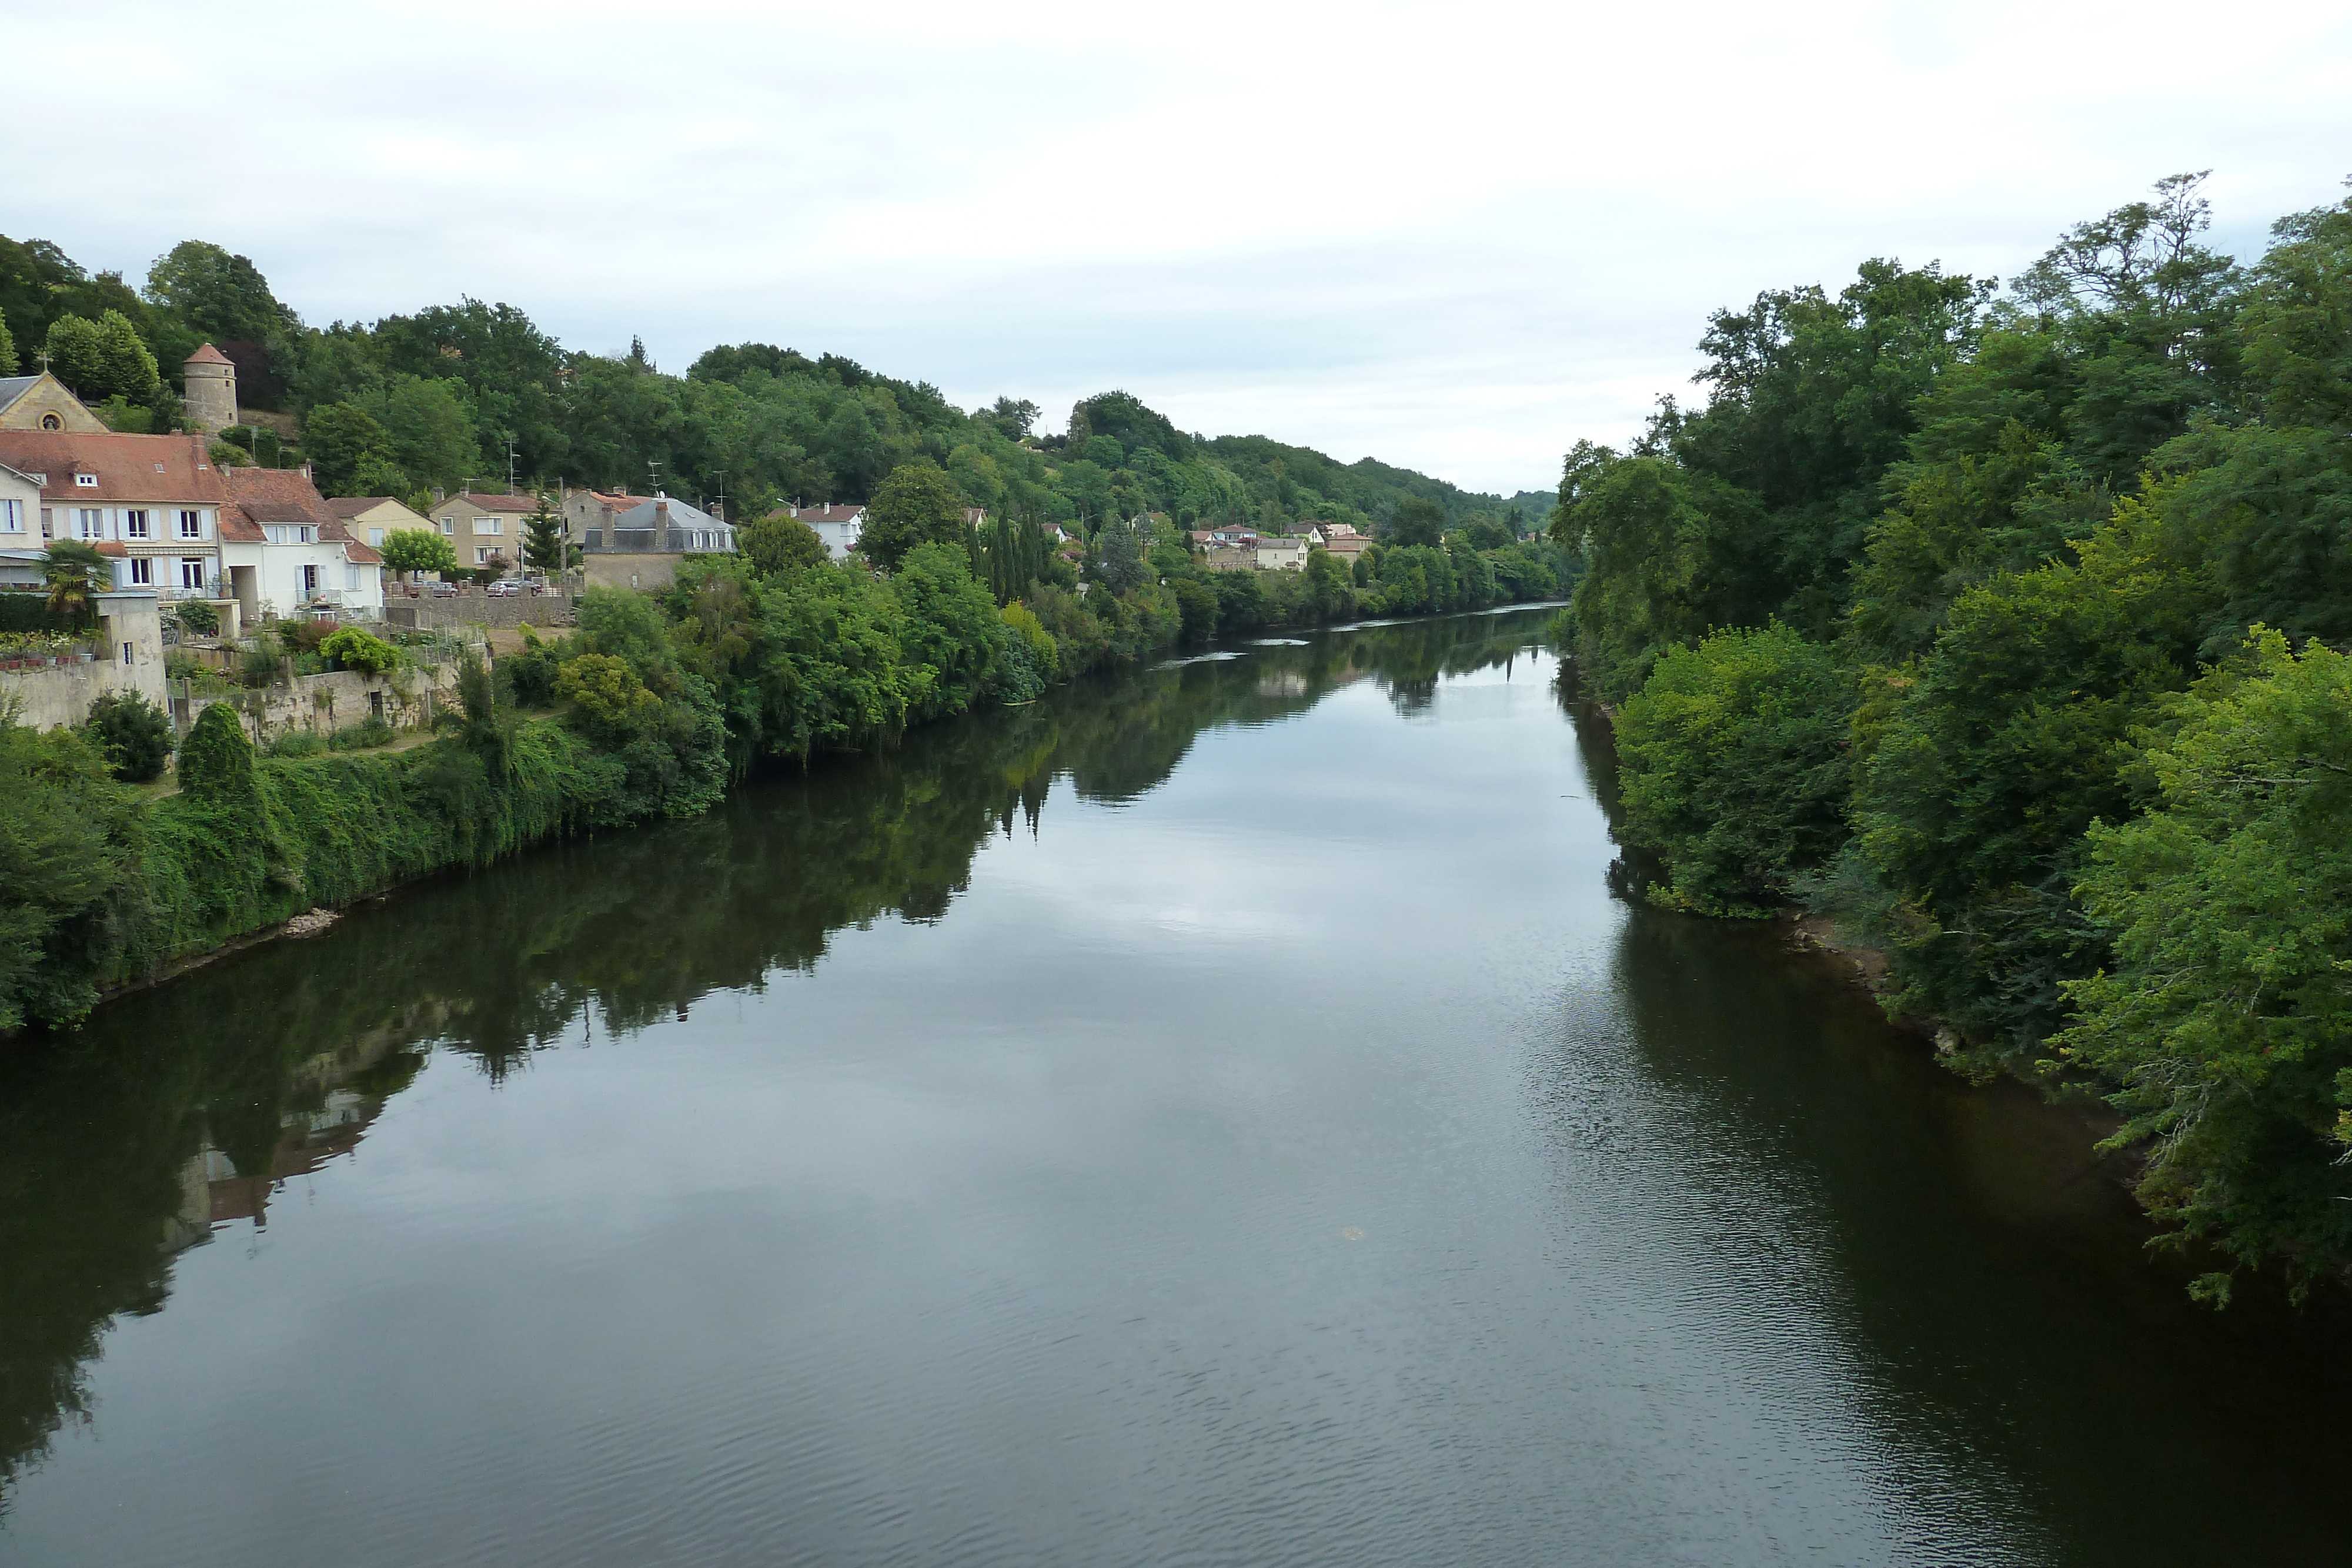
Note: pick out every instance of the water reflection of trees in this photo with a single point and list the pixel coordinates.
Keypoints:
(178, 1109)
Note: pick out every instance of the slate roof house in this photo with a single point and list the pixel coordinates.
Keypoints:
(637, 541)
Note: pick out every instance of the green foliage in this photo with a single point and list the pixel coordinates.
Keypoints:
(613, 703)
(416, 550)
(1733, 768)
(544, 544)
(2225, 1025)
(132, 734)
(216, 296)
(339, 438)
(69, 844)
(352, 649)
(7, 348)
(1418, 521)
(76, 574)
(950, 629)
(195, 615)
(918, 505)
(215, 757)
(102, 358)
(780, 543)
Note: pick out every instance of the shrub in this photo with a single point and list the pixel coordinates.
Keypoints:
(195, 615)
(613, 703)
(296, 742)
(216, 758)
(132, 734)
(356, 649)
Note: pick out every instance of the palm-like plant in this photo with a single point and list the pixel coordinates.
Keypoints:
(77, 574)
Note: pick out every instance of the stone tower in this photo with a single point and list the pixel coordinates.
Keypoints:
(210, 381)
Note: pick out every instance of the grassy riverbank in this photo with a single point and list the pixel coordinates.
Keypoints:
(648, 712)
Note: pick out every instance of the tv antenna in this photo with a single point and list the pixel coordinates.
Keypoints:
(511, 487)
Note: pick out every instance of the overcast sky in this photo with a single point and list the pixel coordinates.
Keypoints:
(1457, 238)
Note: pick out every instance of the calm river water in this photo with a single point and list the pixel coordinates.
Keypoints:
(1221, 1115)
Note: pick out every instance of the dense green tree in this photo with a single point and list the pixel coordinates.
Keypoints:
(2225, 1023)
(1734, 766)
(429, 430)
(917, 504)
(782, 543)
(7, 348)
(1418, 521)
(76, 574)
(102, 358)
(418, 551)
(337, 437)
(219, 297)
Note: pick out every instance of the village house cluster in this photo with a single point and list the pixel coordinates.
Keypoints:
(1240, 548)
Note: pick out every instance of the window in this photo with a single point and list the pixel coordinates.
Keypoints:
(86, 481)
(90, 522)
(134, 525)
(126, 653)
(48, 523)
(309, 579)
(51, 422)
(142, 571)
(192, 571)
(290, 534)
(351, 579)
(375, 536)
(481, 555)
(489, 524)
(12, 515)
(192, 525)
(446, 528)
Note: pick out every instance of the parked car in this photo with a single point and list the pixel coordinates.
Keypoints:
(505, 588)
(445, 590)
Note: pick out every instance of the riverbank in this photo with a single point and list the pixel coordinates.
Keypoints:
(665, 702)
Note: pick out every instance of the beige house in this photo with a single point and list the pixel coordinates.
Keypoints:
(1283, 552)
(374, 519)
(150, 502)
(485, 529)
(44, 403)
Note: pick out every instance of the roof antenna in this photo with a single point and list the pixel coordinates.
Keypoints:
(511, 490)
(652, 476)
(721, 513)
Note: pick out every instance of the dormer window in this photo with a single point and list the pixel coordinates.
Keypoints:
(86, 481)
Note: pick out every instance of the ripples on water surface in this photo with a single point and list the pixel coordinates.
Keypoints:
(1220, 1116)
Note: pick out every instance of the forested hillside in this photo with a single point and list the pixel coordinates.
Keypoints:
(1996, 621)
(452, 393)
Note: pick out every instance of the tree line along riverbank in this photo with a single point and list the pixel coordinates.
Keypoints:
(648, 710)
(2001, 625)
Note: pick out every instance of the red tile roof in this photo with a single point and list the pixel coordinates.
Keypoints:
(256, 496)
(209, 355)
(165, 468)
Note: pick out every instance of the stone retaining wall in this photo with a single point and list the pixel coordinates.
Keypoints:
(475, 608)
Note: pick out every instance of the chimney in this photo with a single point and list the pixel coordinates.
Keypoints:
(661, 513)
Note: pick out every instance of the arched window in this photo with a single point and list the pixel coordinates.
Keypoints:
(51, 422)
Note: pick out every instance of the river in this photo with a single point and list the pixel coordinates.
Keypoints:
(1220, 1114)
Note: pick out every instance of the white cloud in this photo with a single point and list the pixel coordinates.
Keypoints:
(1457, 238)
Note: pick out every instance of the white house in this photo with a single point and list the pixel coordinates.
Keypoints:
(283, 549)
(837, 526)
